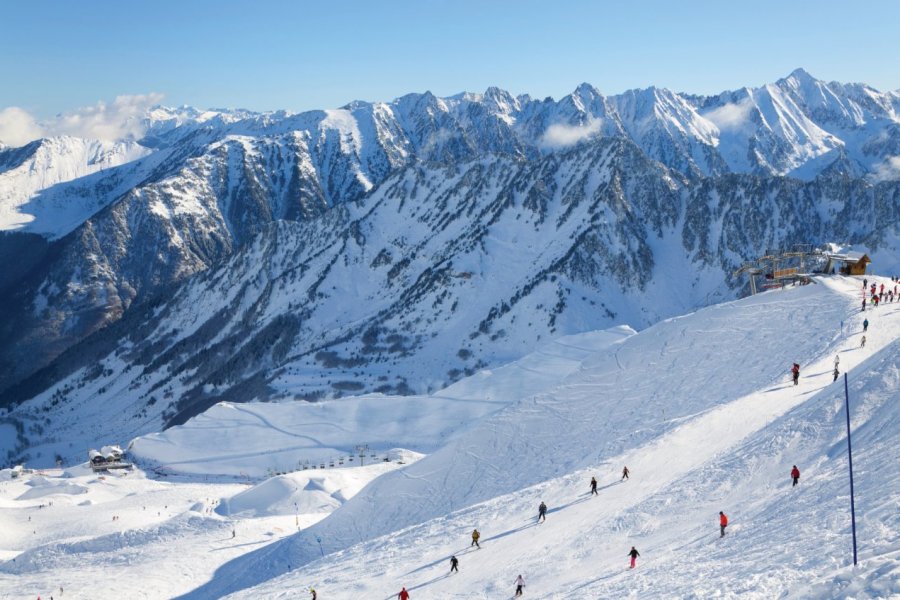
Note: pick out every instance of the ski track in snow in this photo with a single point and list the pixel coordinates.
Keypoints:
(700, 409)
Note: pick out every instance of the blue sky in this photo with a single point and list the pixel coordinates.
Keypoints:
(55, 56)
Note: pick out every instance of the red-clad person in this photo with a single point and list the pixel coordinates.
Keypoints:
(795, 474)
(403, 595)
(723, 523)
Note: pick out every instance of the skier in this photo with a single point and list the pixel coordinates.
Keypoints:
(863, 342)
(454, 564)
(865, 325)
(795, 475)
(542, 513)
(837, 360)
(795, 371)
(594, 486)
(313, 594)
(723, 523)
(520, 585)
(865, 283)
(475, 536)
(403, 595)
(836, 373)
(232, 533)
(625, 473)
(864, 305)
(633, 554)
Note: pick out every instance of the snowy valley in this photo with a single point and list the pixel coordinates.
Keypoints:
(699, 407)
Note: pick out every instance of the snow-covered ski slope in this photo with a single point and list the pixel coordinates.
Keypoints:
(251, 439)
(700, 408)
(122, 535)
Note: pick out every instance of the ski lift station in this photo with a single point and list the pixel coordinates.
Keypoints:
(798, 265)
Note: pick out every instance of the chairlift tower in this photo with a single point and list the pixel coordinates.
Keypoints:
(361, 451)
(752, 271)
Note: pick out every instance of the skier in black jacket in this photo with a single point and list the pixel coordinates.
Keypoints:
(633, 554)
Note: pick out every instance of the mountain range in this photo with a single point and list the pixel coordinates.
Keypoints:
(396, 247)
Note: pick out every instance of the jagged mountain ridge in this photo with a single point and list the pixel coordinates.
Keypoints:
(217, 180)
(441, 271)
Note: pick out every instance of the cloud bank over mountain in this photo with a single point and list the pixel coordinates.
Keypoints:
(121, 119)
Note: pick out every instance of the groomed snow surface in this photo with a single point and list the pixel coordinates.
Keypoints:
(700, 408)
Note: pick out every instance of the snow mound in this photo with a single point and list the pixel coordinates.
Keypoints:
(41, 487)
(306, 492)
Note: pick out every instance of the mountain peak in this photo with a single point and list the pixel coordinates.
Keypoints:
(503, 99)
(801, 74)
(586, 90)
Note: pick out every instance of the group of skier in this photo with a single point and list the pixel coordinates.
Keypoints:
(542, 516)
(877, 296)
(795, 369)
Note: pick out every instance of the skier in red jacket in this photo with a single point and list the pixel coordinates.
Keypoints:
(403, 595)
(723, 523)
(795, 474)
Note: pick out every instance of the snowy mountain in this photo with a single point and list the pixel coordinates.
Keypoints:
(32, 191)
(409, 243)
(699, 407)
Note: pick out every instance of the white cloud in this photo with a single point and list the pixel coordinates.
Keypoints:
(18, 127)
(560, 135)
(118, 120)
(889, 170)
(730, 116)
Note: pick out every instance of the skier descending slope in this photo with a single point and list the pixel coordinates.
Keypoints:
(723, 523)
(633, 554)
(625, 472)
(795, 472)
(542, 513)
(454, 564)
(594, 486)
(475, 536)
(795, 372)
(403, 595)
(520, 585)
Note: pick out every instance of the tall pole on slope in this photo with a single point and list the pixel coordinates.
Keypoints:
(850, 460)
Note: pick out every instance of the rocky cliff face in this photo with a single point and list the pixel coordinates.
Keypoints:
(393, 247)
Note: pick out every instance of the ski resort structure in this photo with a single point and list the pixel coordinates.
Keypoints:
(780, 268)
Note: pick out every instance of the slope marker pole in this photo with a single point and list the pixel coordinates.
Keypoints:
(850, 461)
